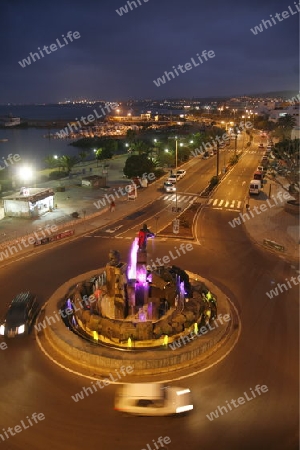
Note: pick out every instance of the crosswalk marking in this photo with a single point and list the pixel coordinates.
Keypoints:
(180, 198)
(232, 205)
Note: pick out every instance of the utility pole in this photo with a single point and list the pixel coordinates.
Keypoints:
(176, 153)
(235, 143)
(218, 157)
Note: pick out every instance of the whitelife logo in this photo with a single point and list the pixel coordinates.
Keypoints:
(268, 23)
(53, 47)
(124, 9)
(101, 383)
(90, 119)
(12, 431)
(9, 160)
(13, 249)
(240, 401)
(263, 207)
(187, 66)
(274, 292)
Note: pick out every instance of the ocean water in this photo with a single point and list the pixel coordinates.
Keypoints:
(32, 146)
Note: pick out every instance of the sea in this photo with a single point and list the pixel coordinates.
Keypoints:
(30, 143)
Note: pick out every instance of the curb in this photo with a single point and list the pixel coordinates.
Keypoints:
(88, 357)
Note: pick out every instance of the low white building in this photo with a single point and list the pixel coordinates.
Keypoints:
(293, 111)
(28, 203)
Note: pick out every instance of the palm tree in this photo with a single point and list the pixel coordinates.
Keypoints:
(82, 155)
(284, 126)
(51, 161)
(140, 147)
(68, 162)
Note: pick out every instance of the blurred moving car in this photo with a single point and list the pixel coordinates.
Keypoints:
(152, 399)
(181, 173)
(169, 187)
(20, 315)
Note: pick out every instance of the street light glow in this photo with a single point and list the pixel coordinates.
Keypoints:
(25, 173)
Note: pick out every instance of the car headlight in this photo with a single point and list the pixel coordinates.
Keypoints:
(2, 330)
(182, 409)
(21, 329)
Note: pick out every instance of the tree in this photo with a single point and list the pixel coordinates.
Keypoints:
(137, 165)
(141, 147)
(68, 162)
(104, 153)
(284, 126)
(130, 136)
(51, 162)
(82, 155)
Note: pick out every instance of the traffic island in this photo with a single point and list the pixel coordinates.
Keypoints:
(185, 222)
(181, 350)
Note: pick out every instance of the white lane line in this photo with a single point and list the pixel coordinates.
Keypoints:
(182, 377)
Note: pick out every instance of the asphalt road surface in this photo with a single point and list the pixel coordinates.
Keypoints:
(266, 353)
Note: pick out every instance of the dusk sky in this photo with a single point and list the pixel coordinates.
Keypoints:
(118, 57)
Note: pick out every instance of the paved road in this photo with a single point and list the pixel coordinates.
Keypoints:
(266, 354)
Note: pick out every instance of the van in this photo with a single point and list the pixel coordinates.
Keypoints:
(254, 187)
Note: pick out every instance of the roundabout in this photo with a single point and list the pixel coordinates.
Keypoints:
(164, 321)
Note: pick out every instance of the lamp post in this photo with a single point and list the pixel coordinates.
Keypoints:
(176, 155)
(218, 157)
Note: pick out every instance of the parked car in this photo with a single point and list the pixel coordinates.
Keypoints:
(261, 145)
(172, 179)
(181, 173)
(20, 315)
(152, 399)
(169, 187)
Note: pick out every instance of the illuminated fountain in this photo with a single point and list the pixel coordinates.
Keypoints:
(133, 306)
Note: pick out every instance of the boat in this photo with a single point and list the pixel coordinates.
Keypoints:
(9, 121)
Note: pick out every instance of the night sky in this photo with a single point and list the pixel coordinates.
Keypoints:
(118, 57)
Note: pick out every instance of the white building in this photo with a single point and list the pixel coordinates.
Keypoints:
(293, 111)
(30, 202)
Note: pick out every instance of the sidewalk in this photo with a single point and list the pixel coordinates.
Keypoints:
(274, 224)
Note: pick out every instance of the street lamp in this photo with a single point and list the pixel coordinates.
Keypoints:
(176, 159)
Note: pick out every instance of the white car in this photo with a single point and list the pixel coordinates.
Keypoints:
(169, 187)
(172, 179)
(152, 399)
(181, 173)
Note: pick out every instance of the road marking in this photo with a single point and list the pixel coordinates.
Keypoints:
(182, 377)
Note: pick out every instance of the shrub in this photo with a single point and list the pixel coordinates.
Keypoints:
(57, 175)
